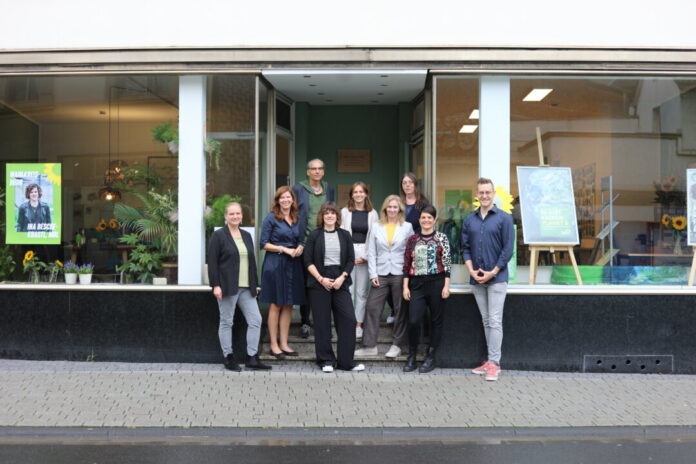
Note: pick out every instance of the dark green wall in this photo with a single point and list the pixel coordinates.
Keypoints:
(322, 130)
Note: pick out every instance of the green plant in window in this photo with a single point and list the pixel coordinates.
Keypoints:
(168, 134)
(7, 263)
(155, 223)
(143, 262)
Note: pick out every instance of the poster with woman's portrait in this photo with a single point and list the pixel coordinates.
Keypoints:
(33, 212)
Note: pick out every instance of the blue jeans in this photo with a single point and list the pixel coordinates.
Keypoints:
(490, 299)
(250, 310)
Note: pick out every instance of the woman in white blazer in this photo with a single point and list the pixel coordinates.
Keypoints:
(357, 218)
(385, 258)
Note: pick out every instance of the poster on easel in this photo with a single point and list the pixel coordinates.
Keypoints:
(547, 205)
(33, 210)
(691, 206)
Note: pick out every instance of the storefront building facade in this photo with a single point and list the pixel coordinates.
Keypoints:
(623, 118)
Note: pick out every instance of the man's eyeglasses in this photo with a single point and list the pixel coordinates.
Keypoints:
(317, 169)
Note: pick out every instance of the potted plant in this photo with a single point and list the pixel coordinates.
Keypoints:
(70, 271)
(143, 263)
(33, 265)
(168, 134)
(7, 263)
(85, 273)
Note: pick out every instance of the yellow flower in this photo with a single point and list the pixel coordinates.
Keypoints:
(58, 263)
(101, 226)
(672, 180)
(667, 186)
(113, 223)
(679, 222)
(666, 218)
(28, 255)
(25, 261)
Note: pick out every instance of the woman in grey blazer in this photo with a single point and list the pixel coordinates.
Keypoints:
(385, 261)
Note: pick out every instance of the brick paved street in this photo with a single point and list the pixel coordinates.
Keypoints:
(68, 394)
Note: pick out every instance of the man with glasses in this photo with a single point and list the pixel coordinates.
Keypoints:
(311, 194)
(488, 237)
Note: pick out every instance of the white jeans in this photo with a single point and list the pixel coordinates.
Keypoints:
(490, 299)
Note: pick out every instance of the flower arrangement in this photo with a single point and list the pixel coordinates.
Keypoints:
(33, 265)
(677, 224)
(54, 269)
(668, 192)
(87, 268)
(70, 268)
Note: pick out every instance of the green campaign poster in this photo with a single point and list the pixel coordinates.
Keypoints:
(547, 204)
(33, 211)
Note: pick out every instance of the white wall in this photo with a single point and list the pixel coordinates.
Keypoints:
(47, 24)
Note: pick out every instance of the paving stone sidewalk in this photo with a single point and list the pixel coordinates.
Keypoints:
(71, 394)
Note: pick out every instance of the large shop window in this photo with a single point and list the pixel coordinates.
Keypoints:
(108, 133)
(628, 142)
(231, 176)
(457, 156)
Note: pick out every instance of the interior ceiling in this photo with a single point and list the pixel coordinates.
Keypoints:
(349, 87)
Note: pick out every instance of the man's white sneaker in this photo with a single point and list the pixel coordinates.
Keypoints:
(393, 352)
(366, 352)
(327, 368)
(358, 368)
(358, 332)
(390, 319)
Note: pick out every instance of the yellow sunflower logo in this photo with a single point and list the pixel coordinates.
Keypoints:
(52, 171)
(502, 200)
(679, 222)
(666, 218)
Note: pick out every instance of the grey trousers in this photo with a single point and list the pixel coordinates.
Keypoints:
(490, 299)
(375, 305)
(250, 310)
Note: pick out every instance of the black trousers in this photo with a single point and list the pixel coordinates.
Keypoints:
(305, 308)
(323, 304)
(426, 293)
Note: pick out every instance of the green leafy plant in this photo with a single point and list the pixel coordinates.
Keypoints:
(70, 268)
(7, 263)
(156, 223)
(168, 134)
(165, 133)
(54, 269)
(33, 265)
(143, 262)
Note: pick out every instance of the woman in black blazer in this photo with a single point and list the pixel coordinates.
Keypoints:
(232, 274)
(329, 259)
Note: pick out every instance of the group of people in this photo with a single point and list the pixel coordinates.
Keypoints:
(349, 263)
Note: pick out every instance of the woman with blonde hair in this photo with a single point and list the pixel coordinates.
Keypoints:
(385, 259)
(282, 276)
(357, 218)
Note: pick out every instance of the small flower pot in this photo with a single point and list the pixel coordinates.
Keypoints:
(71, 278)
(85, 278)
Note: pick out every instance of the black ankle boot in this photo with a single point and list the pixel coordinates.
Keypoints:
(410, 362)
(255, 364)
(231, 364)
(429, 362)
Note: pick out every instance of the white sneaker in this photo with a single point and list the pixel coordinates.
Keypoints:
(327, 368)
(366, 352)
(393, 352)
(358, 332)
(390, 319)
(358, 368)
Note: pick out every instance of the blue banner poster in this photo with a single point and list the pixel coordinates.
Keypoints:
(33, 212)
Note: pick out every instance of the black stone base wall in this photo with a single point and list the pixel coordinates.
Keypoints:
(541, 332)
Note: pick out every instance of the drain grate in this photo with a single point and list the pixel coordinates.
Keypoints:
(629, 363)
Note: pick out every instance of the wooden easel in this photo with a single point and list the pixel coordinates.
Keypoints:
(550, 247)
(692, 274)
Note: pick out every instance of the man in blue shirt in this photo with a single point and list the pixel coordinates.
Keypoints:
(488, 237)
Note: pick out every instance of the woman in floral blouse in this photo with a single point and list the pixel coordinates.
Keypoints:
(427, 264)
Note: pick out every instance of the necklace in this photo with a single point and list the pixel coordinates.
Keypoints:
(317, 190)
